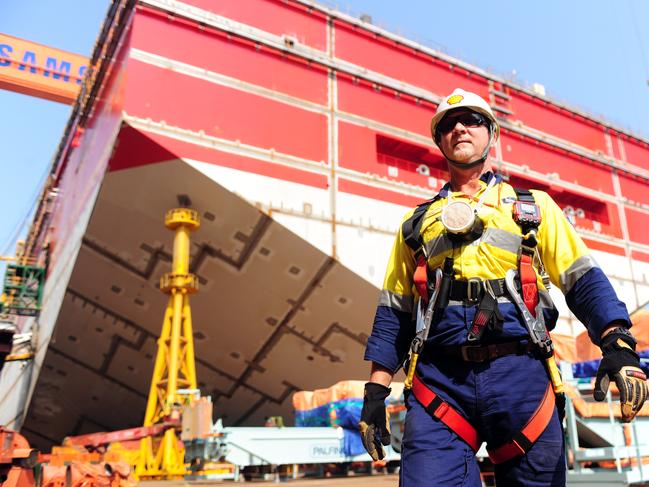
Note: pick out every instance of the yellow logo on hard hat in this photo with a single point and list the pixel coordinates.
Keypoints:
(455, 99)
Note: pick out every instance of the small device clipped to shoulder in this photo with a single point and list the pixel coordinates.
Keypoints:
(526, 213)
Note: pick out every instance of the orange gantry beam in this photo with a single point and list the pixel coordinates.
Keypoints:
(37, 70)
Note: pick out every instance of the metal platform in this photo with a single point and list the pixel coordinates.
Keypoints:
(287, 446)
(604, 479)
(607, 446)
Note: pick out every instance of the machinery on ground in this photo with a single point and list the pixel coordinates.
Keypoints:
(17, 460)
(175, 367)
(178, 439)
(22, 295)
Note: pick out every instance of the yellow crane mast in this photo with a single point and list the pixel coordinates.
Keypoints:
(174, 368)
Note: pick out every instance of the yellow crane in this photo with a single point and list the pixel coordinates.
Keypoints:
(174, 370)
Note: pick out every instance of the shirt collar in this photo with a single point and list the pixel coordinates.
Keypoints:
(485, 177)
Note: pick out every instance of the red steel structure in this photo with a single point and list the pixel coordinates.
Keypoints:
(301, 136)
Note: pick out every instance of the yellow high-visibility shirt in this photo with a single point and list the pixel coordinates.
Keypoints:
(563, 252)
(566, 259)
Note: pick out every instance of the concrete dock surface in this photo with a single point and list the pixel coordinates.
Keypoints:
(378, 480)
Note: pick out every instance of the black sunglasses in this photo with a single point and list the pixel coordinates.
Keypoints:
(468, 119)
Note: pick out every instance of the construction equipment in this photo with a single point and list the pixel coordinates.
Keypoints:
(174, 366)
(41, 71)
(97, 440)
(21, 346)
(601, 449)
(22, 295)
(16, 460)
(22, 288)
(7, 331)
(173, 386)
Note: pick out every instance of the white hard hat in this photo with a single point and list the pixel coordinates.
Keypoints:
(464, 99)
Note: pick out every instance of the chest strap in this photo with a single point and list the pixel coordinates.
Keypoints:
(520, 443)
(472, 290)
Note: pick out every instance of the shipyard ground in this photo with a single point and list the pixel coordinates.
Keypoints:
(378, 480)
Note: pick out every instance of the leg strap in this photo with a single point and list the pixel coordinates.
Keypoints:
(520, 443)
(441, 410)
(524, 439)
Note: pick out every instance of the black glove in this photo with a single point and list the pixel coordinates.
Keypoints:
(621, 363)
(375, 423)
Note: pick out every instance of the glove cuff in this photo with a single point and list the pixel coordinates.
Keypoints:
(610, 341)
(376, 391)
(620, 340)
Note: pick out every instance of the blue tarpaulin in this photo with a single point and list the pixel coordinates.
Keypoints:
(582, 370)
(345, 413)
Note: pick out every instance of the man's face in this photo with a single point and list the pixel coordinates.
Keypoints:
(464, 135)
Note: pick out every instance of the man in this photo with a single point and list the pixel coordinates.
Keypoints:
(482, 358)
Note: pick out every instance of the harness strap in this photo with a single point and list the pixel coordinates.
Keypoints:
(487, 314)
(529, 288)
(411, 228)
(472, 290)
(420, 277)
(440, 409)
(411, 232)
(522, 441)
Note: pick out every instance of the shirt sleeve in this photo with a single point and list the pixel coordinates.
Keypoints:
(571, 267)
(393, 327)
(593, 301)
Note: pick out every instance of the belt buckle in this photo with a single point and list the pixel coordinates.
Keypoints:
(473, 288)
(471, 353)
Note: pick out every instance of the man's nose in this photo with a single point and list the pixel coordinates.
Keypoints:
(459, 127)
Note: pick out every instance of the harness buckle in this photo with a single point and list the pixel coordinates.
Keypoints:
(527, 249)
(473, 288)
(441, 410)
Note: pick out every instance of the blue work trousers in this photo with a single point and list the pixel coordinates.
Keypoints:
(497, 397)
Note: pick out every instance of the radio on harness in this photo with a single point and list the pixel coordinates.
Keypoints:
(526, 213)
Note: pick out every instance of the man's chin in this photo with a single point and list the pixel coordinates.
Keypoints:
(463, 158)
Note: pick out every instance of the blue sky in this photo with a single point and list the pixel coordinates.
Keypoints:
(590, 54)
(31, 128)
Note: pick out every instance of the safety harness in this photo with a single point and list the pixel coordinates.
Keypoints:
(411, 230)
(485, 294)
(527, 215)
(519, 444)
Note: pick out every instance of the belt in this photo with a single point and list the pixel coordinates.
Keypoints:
(482, 353)
(473, 289)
